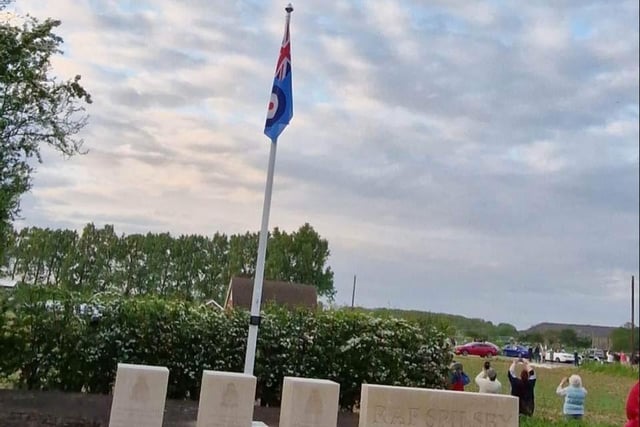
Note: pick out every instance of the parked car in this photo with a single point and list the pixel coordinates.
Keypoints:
(515, 350)
(560, 357)
(596, 354)
(482, 349)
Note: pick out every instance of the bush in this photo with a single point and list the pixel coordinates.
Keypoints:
(74, 344)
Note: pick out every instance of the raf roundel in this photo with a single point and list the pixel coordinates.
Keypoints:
(277, 105)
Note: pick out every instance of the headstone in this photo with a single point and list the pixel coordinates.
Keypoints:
(139, 396)
(226, 399)
(389, 405)
(308, 402)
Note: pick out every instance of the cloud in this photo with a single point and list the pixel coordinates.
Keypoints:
(454, 154)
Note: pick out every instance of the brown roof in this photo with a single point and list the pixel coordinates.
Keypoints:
(288, 294)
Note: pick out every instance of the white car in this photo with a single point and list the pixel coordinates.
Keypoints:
(560, 357)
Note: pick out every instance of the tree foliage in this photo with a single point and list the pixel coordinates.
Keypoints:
(455, 325)
(36, 109)
(190, 267)
(568, 337)
(621, 339)
(506, 330)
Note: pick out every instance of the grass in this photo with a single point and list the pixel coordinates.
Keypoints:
(607, 388)
(614, 369)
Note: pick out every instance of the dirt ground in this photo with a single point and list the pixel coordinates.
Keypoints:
(52, 408)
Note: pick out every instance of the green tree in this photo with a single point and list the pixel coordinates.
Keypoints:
(506, 330)
(308, 255)
(568, 337)
(533, 337)
(190, 267)
(551, 337)
(36, 109)
(621, 339)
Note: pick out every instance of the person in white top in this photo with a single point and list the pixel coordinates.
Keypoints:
(487, 381)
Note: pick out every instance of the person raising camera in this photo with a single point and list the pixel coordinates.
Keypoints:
(522, 386)
(487, 380)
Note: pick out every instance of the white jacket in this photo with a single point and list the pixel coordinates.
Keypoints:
(486, 385)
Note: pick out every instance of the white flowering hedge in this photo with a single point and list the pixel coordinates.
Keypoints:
(66, 345)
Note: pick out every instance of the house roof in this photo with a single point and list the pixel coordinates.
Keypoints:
(288, 294)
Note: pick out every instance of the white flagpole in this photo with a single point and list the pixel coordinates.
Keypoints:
(256, 298)
(259, 276)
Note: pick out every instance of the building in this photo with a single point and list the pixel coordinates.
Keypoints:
(288, 294)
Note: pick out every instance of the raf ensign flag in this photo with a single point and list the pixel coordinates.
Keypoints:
(281, 103)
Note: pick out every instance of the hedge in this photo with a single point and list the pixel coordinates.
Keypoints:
(74, 344)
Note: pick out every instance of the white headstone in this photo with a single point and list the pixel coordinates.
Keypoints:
(226, 399)
(139, 396)
(382, 406)
(309, 402)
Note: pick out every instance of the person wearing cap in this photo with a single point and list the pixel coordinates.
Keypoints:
(487, 380)
(574, 395)
(457, 379)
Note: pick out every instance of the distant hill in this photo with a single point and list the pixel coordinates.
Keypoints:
(458, 325)
(583, 330)
(474, 327)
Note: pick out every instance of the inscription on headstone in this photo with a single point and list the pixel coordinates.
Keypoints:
(382, 406)
(139, 396)
(226, 399)
(309, 402)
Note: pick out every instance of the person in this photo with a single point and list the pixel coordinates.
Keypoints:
(574, 394)
(530, 354)
(536, 353)
(623, 358)
(487, 380)
(610, 358)
(522, 386)
(457, 379)
(576, 358)
(633, 406)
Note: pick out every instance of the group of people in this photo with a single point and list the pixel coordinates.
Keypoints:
(522, 384)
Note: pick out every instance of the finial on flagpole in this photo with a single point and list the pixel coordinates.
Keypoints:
(289, 8)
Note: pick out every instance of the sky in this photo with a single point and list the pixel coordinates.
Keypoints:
(474, 158)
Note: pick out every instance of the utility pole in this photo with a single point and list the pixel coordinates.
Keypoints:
(353, 292)
(633, 316)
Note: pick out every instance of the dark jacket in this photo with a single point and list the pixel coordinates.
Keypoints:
(524, 391)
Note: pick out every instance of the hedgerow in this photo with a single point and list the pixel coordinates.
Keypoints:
(59, 340)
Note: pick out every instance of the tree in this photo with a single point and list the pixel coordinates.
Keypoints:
(190, 267)
(36, 109)
(506, 330)
(568, 337)
(300, 257)
(533, 337)
(621, 339)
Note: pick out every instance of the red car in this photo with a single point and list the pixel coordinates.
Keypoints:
(482, 349)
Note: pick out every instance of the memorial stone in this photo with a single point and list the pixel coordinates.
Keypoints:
(382, 406)
(226, 399)
(139, 396)
(308, 402)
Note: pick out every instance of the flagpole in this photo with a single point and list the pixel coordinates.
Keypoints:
(280, 111)
(254, 321)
